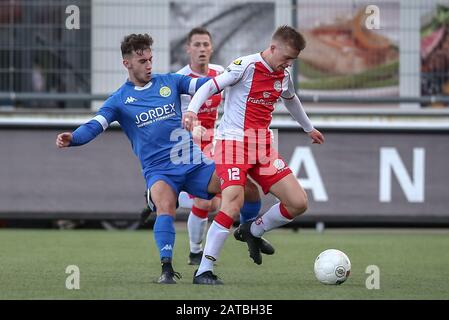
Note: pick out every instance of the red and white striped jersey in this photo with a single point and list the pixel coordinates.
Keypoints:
(252, 89)
(207, 114)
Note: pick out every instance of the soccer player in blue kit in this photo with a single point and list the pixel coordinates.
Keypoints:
(148, 109)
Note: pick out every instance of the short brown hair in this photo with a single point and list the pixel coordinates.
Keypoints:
(290, 36)
(198, 30)
(136, 42)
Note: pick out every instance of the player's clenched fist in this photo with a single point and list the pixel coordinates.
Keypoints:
(63, 139)
(189, 119)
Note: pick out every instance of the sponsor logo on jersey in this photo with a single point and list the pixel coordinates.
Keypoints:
(278, 86)
(165, 91)
(261, 101)
(237, 62)
(207, 110)
(275, 75)
(155, 114)
(130, 100)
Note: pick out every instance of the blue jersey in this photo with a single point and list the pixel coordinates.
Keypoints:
(149, 116)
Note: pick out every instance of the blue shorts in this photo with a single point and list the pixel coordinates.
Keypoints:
(192, 178)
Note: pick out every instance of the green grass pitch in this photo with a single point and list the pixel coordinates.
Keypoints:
(414, 264)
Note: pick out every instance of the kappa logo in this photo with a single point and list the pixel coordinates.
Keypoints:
(167, 247)
(130, 100)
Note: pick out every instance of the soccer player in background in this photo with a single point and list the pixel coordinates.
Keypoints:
(199, 48)
(253, 85)
(148, 108)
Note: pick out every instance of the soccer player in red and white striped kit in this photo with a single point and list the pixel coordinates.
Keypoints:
(253, 85)
(199, 48)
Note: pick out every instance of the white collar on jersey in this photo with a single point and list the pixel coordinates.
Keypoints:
(144, 87)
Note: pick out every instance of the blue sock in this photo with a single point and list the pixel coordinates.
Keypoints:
(249, 211)
(164, 235)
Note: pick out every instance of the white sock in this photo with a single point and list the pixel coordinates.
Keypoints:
(184, 200)
(216, 237)
(196, 227)
(271, 219)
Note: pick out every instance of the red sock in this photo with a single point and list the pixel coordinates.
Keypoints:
(200, 213)
(224, 220)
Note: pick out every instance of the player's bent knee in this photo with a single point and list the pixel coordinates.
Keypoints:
(301, 209)
(214, 206)
(207, 205)
(298, 205)
(166, 206)
(232, 209)
(298, 209)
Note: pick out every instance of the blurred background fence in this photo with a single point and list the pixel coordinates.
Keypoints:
(397, 49)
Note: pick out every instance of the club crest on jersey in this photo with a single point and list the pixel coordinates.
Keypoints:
(237, 62)
(279, 164)
(165, 91)
(278, 86)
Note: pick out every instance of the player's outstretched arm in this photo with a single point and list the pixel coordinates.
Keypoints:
(63, 139)
(91, 129)
(83, 134)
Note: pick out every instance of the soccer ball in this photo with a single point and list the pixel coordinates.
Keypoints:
(332, 267)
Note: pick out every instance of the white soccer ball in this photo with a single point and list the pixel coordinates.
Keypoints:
(332, 266)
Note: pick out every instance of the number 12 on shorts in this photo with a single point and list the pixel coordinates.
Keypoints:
(234, 173)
